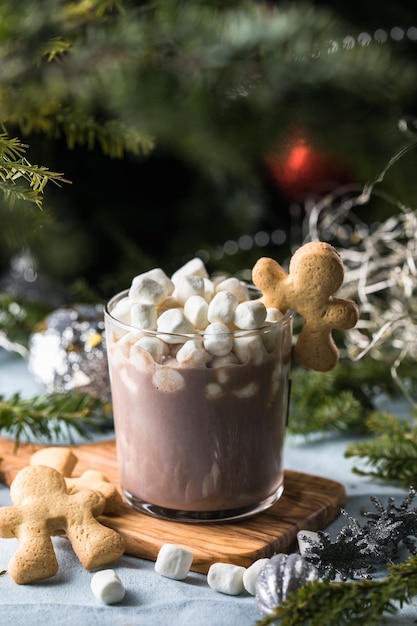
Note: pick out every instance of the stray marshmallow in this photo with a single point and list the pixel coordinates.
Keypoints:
(195, 310)
(236, 287)
(251, 574)
(174, 322)
(303, 544)
(218, 339)
(143, 315)
(250, 315)
(226, 578)
(222, 308)
(173, 561)
(194, 267)
(147, 290)
(107, 587)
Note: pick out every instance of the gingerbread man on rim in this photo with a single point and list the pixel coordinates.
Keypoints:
(315, 274)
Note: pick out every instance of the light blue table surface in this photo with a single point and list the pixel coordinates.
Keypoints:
(150, 599)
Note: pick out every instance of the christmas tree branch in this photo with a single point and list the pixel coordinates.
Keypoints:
(325, 603)
(392, 452)
(49, 416)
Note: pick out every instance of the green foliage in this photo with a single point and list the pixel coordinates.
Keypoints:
(391, 453)
(49, 416)
(320, 404)
(15, 168)
(19, 317)
(365, 602)
(191, 75)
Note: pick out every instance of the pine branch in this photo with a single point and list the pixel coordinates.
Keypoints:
(392, 454)
(319, 405)
(48, 416)
(325, 603)
(15, 167)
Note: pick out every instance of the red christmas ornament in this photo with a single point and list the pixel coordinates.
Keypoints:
(301, 170)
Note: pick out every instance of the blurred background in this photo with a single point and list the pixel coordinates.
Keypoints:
(195, 128)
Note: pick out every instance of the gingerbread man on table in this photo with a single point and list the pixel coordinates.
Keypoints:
(315, 274)
(42, 507)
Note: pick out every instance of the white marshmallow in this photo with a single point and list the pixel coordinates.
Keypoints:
(304, 545)
(143, 315)
(250, 315)
(218, 339)
(194, 267)
(188, 286)
(173, 561)
(195, 310)
(107, 586)
(174, 322)
(273, 314)
(236, 287)
(249, 347)
(222, 361)
(226, 578)
(191, 354)
(167, 379)
(159, 276)
(251, 574)
(213, 391)
(121, 311)
(153, 345)
(148, 290)
(247, 391)
(126, 342)
(208, 289)
(222, 308)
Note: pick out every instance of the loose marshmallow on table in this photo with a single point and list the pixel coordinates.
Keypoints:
(251, 574)
(107, 587)
(226, 578)
(173, 561)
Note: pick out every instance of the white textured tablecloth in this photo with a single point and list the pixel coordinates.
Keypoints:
(152, 600)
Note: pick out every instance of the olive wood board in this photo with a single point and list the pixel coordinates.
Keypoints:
(308, 503)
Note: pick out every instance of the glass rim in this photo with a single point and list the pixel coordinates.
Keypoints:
(265, 328)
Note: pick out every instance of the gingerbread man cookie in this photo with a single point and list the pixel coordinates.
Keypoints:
(315, 274)
(43, 507)
(64, 461)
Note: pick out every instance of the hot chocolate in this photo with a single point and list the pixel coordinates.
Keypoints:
(200, 397)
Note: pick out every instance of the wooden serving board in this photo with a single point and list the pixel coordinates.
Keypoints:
(308, 503)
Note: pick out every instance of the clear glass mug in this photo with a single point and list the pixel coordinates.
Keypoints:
(200, 442)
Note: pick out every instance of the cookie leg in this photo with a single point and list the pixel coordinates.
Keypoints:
(96, 545)
(34, 560)
(315, 349)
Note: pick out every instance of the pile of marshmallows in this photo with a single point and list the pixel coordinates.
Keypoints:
(195, 320)
(174, 562)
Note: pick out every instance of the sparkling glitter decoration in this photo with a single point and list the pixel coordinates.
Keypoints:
(357, 549)
(68, 351)
(380, 262)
